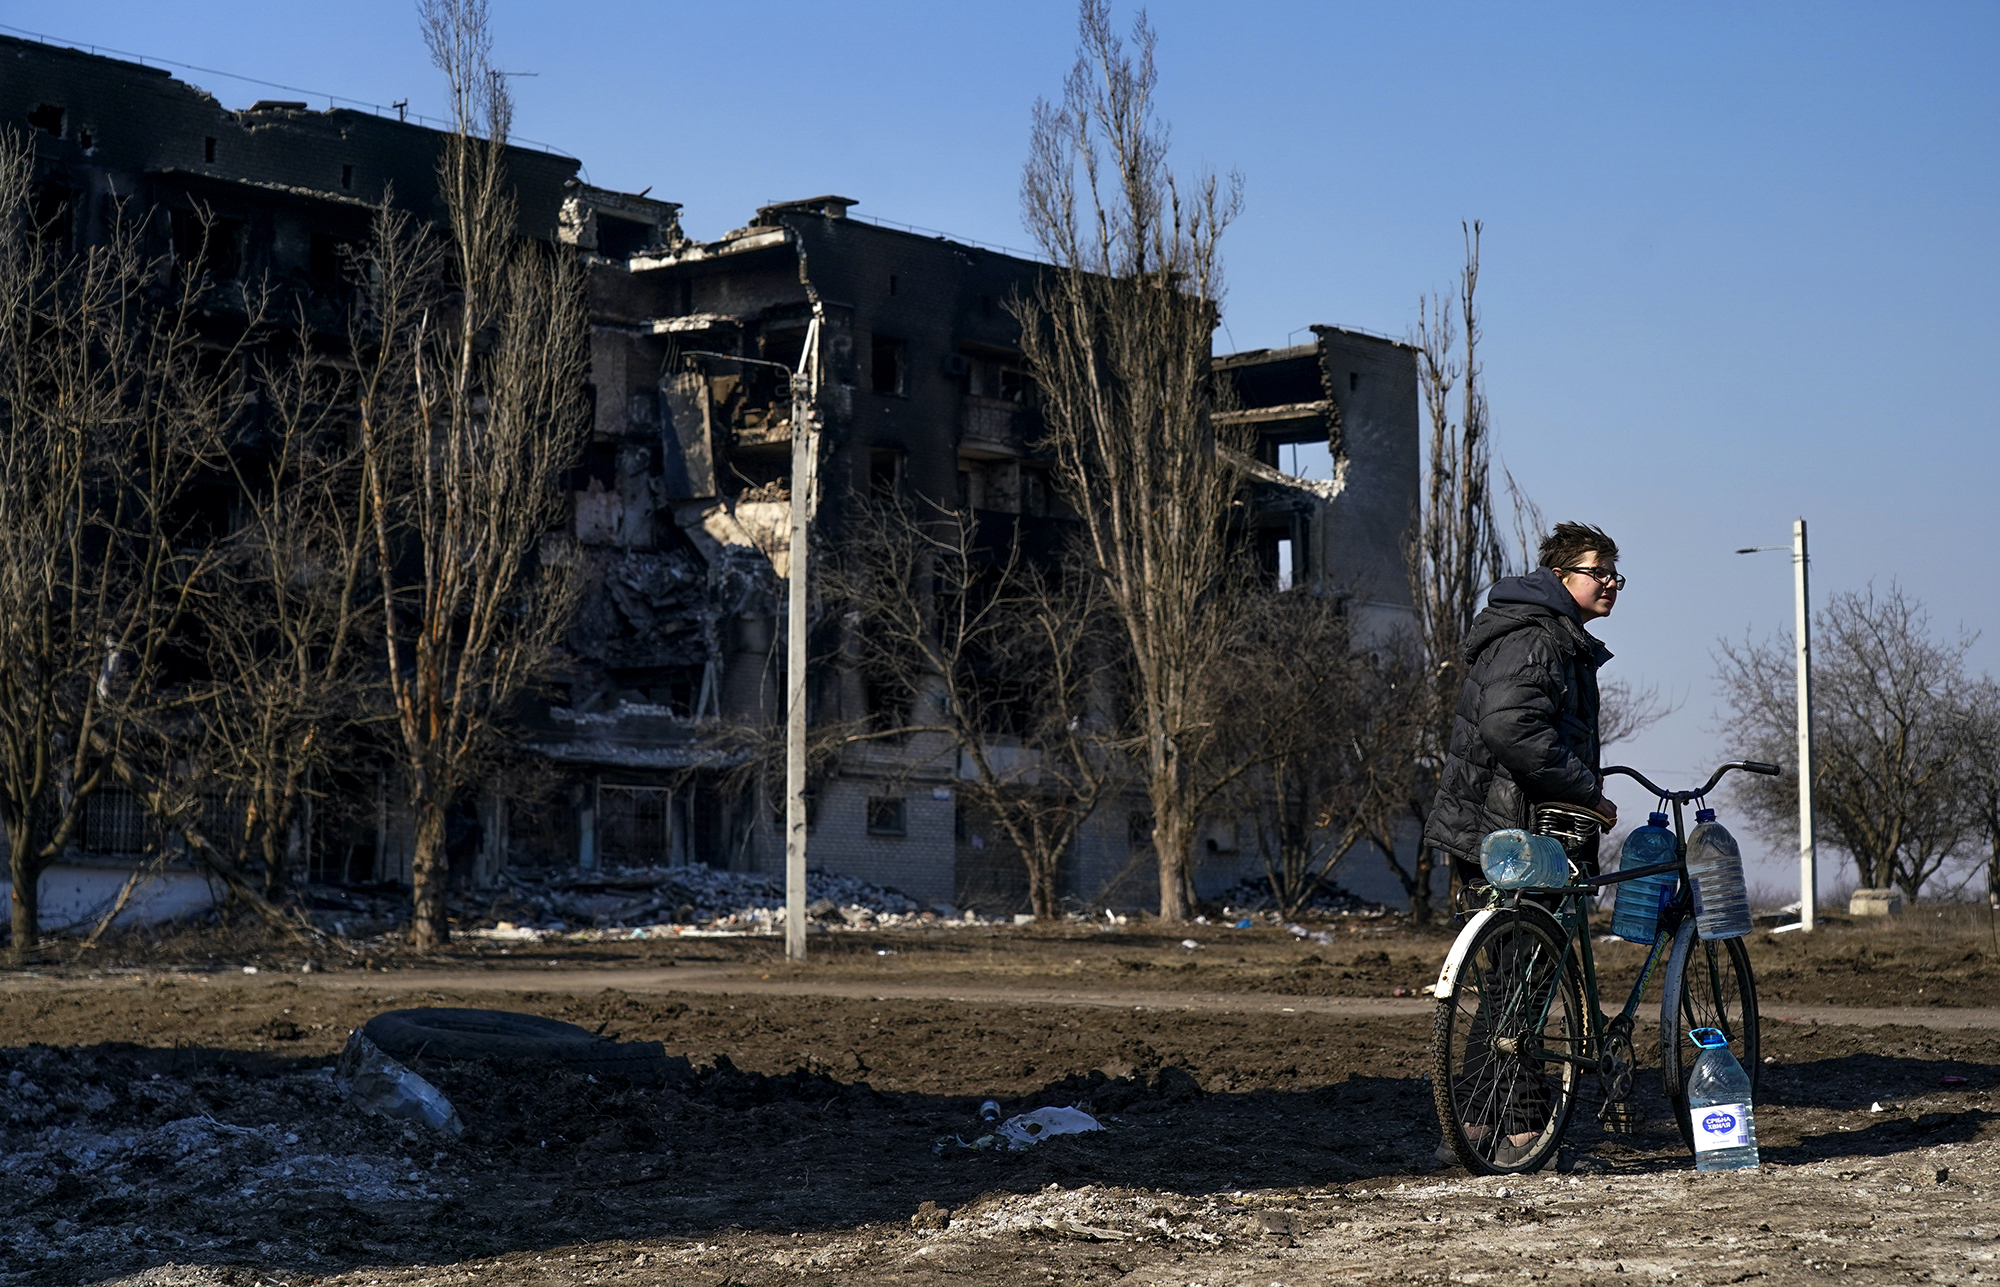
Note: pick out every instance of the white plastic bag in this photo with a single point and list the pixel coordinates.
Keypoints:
(1026, 1129)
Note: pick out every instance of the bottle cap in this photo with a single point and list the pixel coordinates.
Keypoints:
(1708, 1038)
(1656, 819)
(1704, 815)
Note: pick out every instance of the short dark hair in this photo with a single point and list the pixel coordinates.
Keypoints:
(1569, 542)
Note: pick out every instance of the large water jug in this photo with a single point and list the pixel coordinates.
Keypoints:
(1715, 871)
(1725, 1129)
(1635, 916)
(1514, 859)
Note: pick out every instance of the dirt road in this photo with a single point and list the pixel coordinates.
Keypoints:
(1261, 1125)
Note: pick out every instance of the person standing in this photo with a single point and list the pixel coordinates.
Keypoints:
(1525, 729)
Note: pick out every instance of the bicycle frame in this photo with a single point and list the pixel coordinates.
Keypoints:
(1574, 921)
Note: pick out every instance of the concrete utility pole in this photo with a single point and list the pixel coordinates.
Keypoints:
(1802, 643)
(805, 490)
(804, 385)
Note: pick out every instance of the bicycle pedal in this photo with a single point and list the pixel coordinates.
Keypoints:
(1621, 1117)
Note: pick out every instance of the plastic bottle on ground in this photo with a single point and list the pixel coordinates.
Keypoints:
(1635, 916)
(1715, 871)
(1725, 1127)
(1514, 859)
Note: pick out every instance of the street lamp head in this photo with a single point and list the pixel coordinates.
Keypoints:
(1759, 549)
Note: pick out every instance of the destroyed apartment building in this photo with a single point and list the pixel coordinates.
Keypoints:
(646, 738)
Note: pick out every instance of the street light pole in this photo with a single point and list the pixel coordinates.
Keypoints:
(1802, 646)
(1802, 637)
(805, 490)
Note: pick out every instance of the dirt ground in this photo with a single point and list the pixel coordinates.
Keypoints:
(167, 1118)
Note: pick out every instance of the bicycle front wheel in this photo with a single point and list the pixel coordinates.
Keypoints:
(1708, 985)
(1503, 1088)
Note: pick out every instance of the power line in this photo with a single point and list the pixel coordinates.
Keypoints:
(401, 111)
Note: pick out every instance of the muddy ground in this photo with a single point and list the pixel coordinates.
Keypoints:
(167, 1118)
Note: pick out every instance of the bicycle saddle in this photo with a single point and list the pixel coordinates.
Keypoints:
(1567, 822)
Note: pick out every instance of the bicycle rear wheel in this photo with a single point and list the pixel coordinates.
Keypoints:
(1708, 985)
(1502, 1100)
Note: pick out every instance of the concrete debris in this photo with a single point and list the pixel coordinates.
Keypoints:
(1254, 895)
(698, 897)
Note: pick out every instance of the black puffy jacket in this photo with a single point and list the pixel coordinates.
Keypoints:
(1525, 731)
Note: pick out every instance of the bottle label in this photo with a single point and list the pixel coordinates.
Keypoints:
(1721, 1126)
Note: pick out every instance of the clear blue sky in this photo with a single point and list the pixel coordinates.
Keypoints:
(1740, 258)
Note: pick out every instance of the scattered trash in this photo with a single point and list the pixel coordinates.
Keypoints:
(382, 1085)
(1951, 1079)
(1245, 923)
(1024, 918)
(1404, 992)
(989, 1111)
(1786, 929)
(885, 951)
(1028, 1129)
(1876, 1107)
(1201, 920)
(249, 969)
(953, 1144)
(1189, 944)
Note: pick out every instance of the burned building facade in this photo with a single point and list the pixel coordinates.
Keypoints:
(649, 736)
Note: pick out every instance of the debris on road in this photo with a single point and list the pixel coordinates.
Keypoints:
(379, 1084)
(1027, 1129)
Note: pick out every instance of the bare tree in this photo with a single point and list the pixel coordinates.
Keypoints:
(1982, 776)
(996, 660)
(1455, 553)
(284, 622)
(1330, 732)
(1118, 339)
(471, 409)
(109, 391)
(1890, 735)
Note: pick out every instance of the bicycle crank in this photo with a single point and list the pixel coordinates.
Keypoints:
(1615, 1068)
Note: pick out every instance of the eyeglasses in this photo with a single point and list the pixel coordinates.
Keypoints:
(1616, 580)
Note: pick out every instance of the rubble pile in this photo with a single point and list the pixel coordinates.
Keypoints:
(703, 897)
(1329, 899)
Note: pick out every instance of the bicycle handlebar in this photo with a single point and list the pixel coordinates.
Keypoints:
(1683, 797)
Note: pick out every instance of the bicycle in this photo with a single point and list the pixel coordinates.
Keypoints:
(1518, 1023)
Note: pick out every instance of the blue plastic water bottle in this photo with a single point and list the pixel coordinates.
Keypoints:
(1725, 1129)
(1635, 917)
(1514, 859)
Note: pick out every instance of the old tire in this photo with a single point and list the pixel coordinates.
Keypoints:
(504, 1036)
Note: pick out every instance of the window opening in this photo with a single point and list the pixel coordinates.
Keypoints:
(892, 283)
(1353, 381)
(48, 118)
(634, 826)
(886, 365)
(886, 816)
(208, 151)
(885, 473)
(346, 176)
(208, 244)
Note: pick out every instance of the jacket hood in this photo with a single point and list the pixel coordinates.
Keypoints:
(1516, 601)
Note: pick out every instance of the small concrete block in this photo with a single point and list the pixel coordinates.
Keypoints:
(1875, 902)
